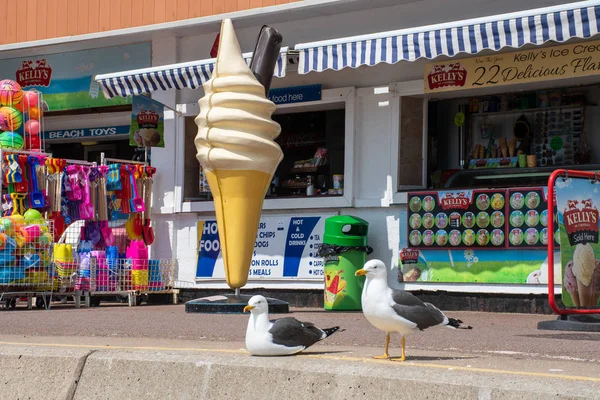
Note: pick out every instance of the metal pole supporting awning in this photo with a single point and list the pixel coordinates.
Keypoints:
(189, 75)
(537, 26)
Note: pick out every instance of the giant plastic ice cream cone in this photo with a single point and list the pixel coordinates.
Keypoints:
(235, 144)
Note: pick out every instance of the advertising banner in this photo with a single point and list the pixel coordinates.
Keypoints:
(500, 69)
(66, 79)
(477, 236)
(147, 123)
(577, 204)
(286, 248)
(493, 219)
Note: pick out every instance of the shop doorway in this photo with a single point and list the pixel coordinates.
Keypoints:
(90, 151)
(93, 153)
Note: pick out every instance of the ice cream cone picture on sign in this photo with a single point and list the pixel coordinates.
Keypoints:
(235, 144)
(581, 275)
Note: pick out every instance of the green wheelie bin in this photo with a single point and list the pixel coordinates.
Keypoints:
(344, 250)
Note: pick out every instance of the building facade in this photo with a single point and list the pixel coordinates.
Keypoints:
(352, 90)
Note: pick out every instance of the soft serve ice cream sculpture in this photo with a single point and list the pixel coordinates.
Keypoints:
(237, 152)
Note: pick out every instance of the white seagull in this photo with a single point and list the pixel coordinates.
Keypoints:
(280, 337)
(399, 311)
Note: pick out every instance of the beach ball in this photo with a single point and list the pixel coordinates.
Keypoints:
(33, 215)
(32, 127)
(6, 225)
(2, 241)
(11, 140)
(35, 113)
(21, 107)
(32, 142)
(11, 119)
(17, 221)
(45, 239)
(10, 92)
(30, 99)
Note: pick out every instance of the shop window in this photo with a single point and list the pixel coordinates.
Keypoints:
(511, 139)
(411, 161)
(313, 144)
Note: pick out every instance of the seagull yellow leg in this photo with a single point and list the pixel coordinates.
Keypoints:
(385, 355)
(403, 342)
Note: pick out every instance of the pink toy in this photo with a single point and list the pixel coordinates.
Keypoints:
(30, 99)
(31, 232)
(32, 127)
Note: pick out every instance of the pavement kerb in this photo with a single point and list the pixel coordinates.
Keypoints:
(37, 372)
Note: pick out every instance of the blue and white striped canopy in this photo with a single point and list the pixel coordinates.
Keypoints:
(558, 24)
(189, 75)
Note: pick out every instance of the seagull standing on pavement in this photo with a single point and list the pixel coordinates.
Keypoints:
(399, 311)
(281, 337)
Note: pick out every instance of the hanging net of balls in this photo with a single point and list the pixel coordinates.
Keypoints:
(21, 122)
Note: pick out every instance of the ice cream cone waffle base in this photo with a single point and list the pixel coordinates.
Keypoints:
(238, 197)
(575, 298)
(586, 294)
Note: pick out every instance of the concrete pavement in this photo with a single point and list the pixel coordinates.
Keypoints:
(161, 352)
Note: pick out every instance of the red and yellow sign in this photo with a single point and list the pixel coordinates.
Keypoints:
(540, 64)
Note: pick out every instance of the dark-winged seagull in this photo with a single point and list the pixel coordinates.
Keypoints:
(280, 337)
(393, 310)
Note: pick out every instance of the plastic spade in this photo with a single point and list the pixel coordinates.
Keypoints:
(107, 233)
(22, 186)
(136, 202)
(86, 208)
(15, 207)
(21, 197)
(36, 198)
(148, 231)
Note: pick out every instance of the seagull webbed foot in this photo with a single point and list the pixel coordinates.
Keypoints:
(383, 357)
(398, 359)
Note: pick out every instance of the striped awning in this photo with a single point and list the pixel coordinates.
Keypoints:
(558, 24)
(189, 75)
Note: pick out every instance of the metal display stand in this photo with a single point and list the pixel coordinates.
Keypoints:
(572, 319)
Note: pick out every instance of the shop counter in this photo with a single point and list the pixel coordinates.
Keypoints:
(508, 177)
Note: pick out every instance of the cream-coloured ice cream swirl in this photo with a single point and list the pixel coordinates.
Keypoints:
(584, 263)
(235, 129)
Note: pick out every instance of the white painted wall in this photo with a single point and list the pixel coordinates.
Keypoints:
(374, 127)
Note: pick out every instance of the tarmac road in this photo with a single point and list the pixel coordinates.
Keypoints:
(508, 335)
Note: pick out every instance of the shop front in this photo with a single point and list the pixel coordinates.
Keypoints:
(363, 134)
(76, 209)
(79, 122)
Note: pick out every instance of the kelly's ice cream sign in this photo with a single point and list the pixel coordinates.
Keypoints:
(581, 222)
(34, 73)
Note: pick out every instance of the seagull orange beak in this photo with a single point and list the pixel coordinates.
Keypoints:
(360, 272)
(248, 308)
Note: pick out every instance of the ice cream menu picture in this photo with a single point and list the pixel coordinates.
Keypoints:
(528, 218)
(577, 203)
(455, 219)
(147, 123)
